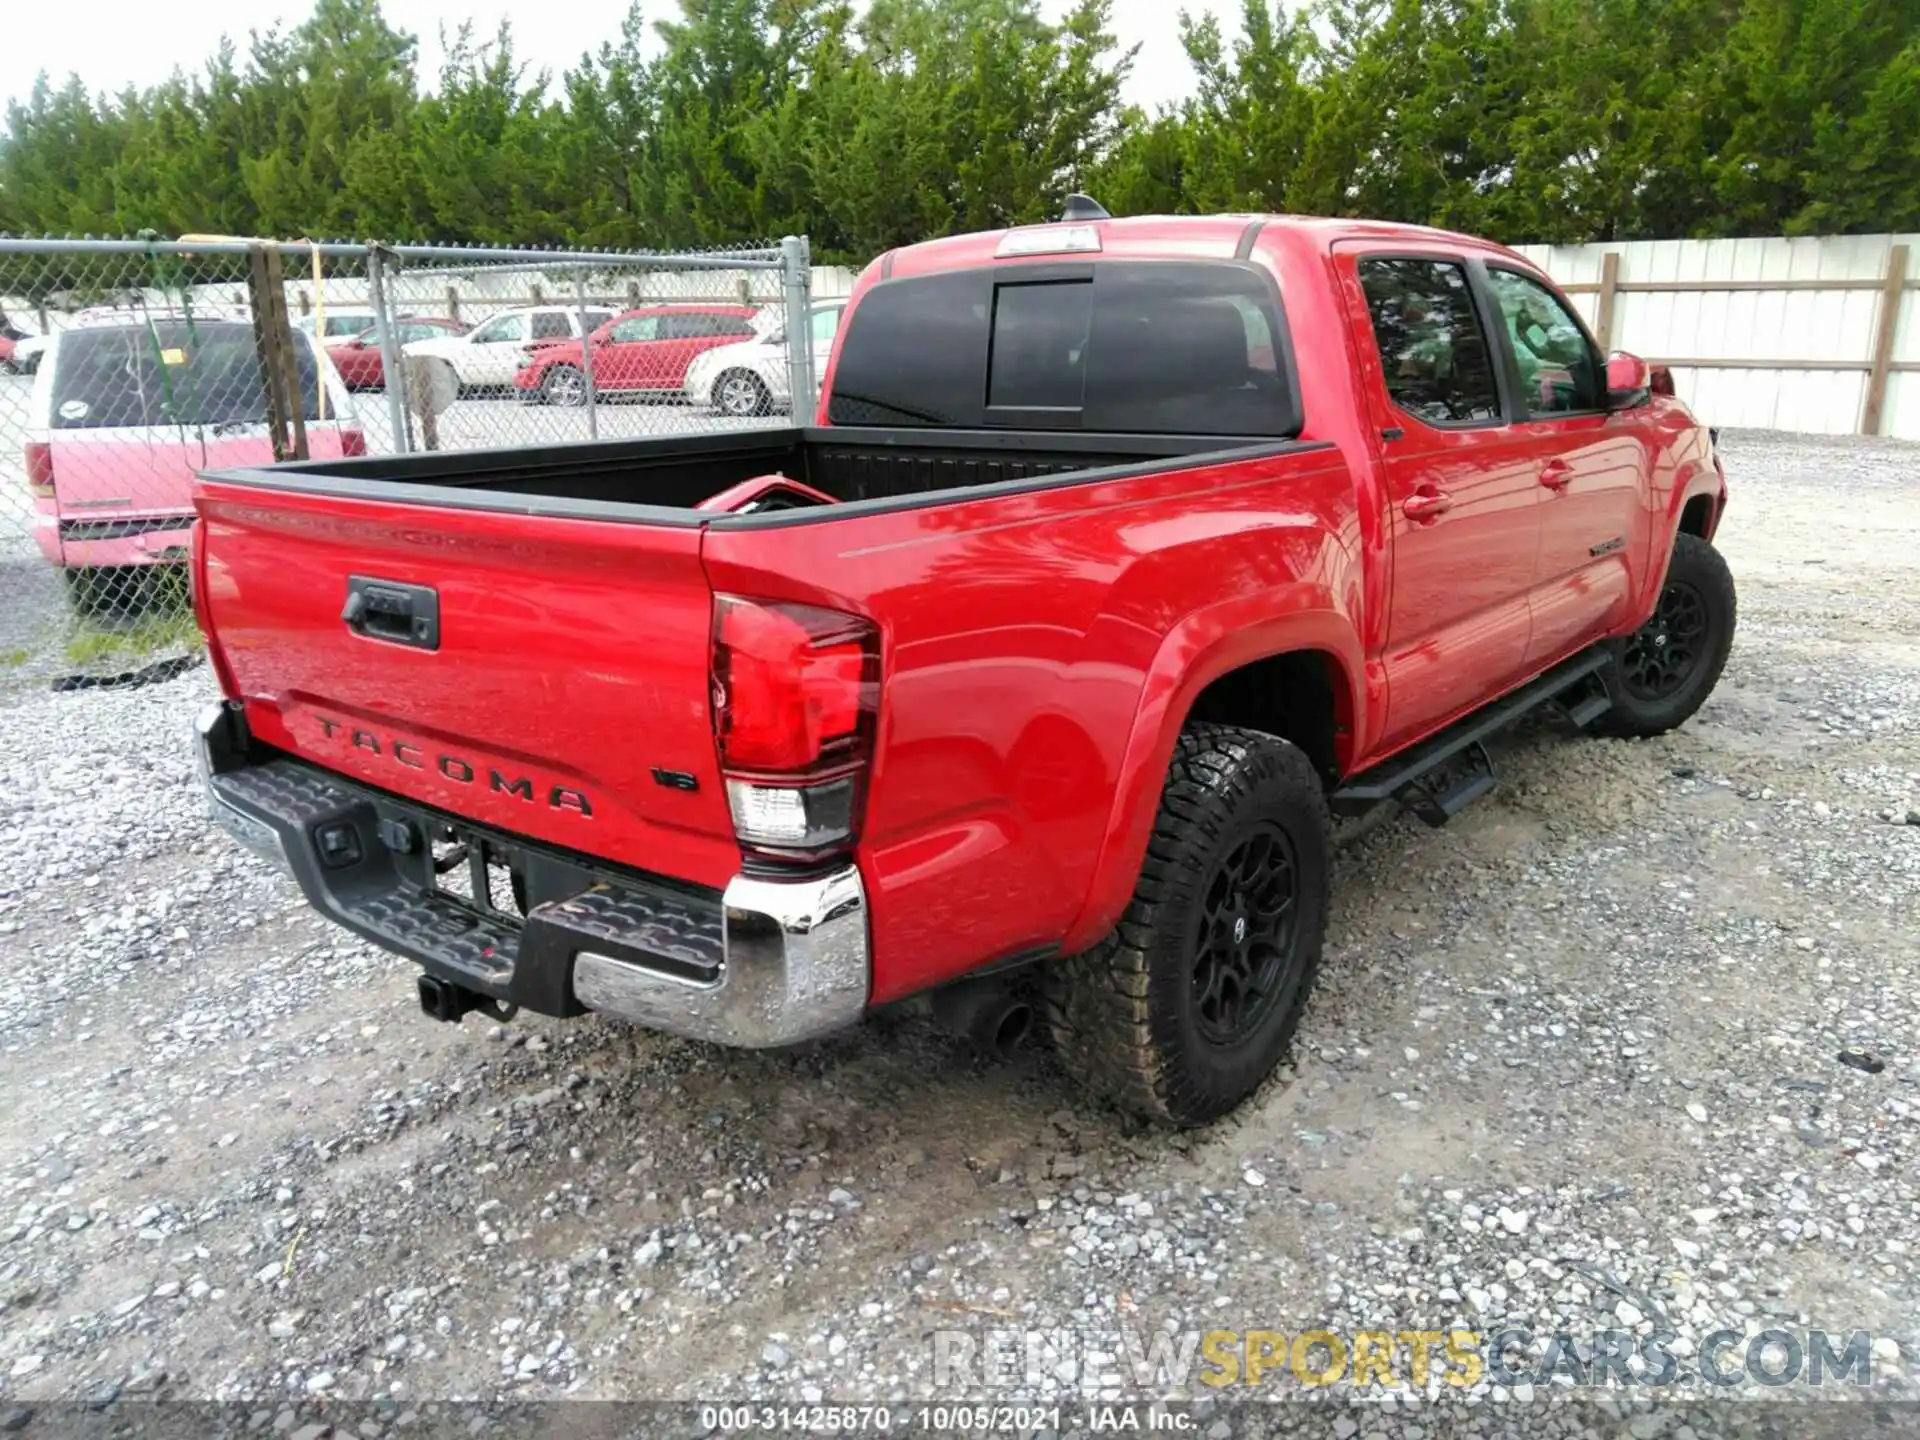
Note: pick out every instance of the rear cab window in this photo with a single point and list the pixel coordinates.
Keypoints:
(166, 373)
(1114, 347)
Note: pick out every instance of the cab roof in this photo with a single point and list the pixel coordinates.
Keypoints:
(1168, 237)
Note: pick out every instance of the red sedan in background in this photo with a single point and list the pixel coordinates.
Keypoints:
(358, 359)
(642, 351)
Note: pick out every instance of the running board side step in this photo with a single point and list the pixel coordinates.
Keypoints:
(1435, 805)
(1409, 776)
(1584, 712)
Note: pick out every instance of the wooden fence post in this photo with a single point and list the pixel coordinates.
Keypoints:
(1892, 290)
(453, 304)
(1609, 287)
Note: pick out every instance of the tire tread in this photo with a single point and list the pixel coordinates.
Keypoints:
(1631, 718)
(1100, 1004)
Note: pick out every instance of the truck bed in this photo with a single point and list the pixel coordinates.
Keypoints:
(661, 479)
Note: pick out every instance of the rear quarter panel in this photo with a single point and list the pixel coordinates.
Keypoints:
(1039, 653)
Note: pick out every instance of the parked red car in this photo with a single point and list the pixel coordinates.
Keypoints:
(358, 359)
(643, 351)
(1120, 554)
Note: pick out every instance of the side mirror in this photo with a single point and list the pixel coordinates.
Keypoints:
(1629, 381)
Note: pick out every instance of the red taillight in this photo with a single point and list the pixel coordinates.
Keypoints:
(795, 695)
(40, 469)
(353, 442)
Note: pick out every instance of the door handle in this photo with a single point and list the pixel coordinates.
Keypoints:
(1556, 474)
(1427, 503)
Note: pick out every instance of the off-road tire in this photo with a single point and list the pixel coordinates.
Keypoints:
(1124, 1016)
(1697, 579)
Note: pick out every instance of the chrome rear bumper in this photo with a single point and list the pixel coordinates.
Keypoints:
(764, 964)
(794, 966)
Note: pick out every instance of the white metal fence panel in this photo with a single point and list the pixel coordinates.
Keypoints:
(1772, 333)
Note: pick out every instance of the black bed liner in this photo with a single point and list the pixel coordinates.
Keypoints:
(657, 480)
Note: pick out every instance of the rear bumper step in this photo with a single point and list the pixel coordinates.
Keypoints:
(765, 963)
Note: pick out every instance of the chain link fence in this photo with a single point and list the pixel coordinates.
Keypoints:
(127, 366)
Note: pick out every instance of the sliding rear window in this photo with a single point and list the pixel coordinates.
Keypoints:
(1189, 348)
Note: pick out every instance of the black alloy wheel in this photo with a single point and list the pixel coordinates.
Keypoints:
(1663, 672)
(1663, 654)
(1245, 936)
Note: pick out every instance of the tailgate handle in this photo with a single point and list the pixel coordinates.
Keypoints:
(389, 610)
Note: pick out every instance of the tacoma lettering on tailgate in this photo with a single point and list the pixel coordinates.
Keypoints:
(455, 768)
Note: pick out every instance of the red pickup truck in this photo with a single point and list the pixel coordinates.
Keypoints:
(1121, 555)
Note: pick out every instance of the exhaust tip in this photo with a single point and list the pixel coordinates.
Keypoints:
(1009, 1030)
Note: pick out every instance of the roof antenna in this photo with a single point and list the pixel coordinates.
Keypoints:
(1084, 207)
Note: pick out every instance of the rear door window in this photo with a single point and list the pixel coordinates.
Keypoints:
(703, 326)
(826, 324)
(1433, 350)
(551, 325)
(501, 329)
(638, 327)
(1172, 348)
(172, 373)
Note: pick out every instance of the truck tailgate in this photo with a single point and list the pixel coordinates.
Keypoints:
(565, 697)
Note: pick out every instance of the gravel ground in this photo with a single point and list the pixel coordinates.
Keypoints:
(1575, 1064)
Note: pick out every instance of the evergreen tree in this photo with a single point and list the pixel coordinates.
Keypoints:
(871, 126)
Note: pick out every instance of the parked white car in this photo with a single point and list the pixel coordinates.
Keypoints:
(751, 378)
(488, 356)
